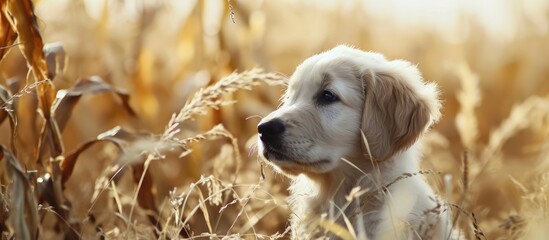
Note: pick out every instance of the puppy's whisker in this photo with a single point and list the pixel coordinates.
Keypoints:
(253, 149)
(253, 116)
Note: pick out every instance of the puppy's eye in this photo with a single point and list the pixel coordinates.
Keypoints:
(327, 97)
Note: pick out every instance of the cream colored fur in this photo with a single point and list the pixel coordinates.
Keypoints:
(393, 106)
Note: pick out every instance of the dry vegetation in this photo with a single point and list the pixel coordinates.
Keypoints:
(135, 119)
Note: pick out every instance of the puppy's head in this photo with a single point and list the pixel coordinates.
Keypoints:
(333, 97)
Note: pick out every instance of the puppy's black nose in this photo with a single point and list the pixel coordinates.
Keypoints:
(271, 128)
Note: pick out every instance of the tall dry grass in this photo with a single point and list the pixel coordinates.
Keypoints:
(136, 119)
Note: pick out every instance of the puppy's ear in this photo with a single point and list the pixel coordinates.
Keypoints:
(398, 108)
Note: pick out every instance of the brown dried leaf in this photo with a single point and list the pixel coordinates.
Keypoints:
(4, 213)
(145, 196)
(46, 96)
(23, 21)
(118, 136)
(67, 100)
(14, 84)
(21, 16)
(23, 215)
(7, 35)
(5, 97)
(51, 135)
(67, 166)
(55, 58)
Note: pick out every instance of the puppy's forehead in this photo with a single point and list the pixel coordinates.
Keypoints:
(341, 60)
(321, 71)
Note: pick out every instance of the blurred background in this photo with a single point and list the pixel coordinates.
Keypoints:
(490, 59)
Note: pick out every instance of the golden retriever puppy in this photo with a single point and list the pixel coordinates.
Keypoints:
(353, 120)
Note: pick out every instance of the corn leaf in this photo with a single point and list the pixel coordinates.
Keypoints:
(117, 136)
(7, 35)
(6, 112)
(67, 100)
(23, 208)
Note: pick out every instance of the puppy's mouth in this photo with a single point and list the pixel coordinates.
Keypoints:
(275, 155)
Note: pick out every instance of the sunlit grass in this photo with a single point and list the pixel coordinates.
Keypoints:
(178, 164)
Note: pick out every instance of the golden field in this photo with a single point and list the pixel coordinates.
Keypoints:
(137, 119)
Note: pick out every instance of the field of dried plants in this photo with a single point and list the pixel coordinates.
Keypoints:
(137, 119)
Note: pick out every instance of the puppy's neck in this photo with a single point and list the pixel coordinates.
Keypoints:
(313, 193)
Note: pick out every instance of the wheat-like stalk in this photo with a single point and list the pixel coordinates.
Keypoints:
(208, 98)
(469, 98)
(528, 114)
